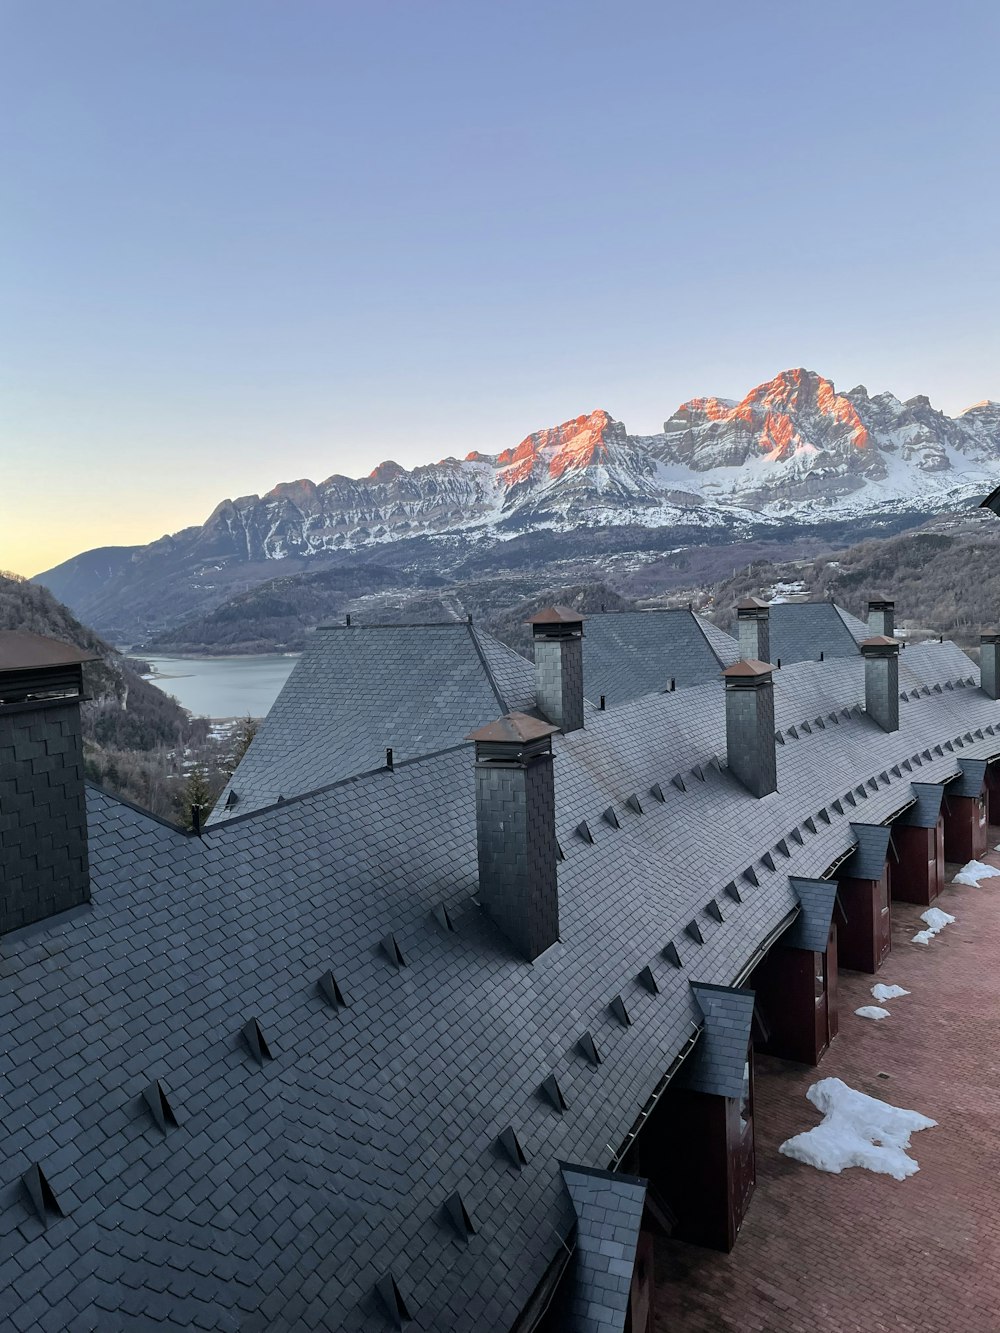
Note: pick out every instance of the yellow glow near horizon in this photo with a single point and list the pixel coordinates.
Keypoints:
(30, 544)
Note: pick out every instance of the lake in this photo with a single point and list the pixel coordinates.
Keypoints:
(222, 686)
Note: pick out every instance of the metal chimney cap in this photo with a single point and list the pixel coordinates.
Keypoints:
(750, 667)
(879, 646)
(20, 651)
(753, 604)
(513, 729)
(556, 615)
(989, 636)
(879, 602)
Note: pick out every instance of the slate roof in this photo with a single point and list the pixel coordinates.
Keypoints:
(868, 858)
(630, 653)
(297, 1187)
(811, 929)
(927, 805)
(358, 690)
(800, 631)
(717, 1063)
(972, 776)
(608, 1209)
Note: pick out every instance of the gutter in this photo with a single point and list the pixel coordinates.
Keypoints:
(656, 1094)
(544, 1294)
(764, 945)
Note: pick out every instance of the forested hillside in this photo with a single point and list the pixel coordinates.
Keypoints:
(944, 577)
(137, 740)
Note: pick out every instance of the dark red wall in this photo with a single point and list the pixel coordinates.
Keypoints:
(794, 1002)
(641, 1295)
(693, 1152)
(832, 986)
(919, 875)
(865, 938)
(966, 836)
(993, 791)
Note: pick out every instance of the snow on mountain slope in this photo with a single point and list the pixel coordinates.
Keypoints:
(792, 449)
(793, 453)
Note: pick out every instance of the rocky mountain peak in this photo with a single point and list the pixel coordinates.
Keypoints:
(791, 454)
(796, 414)
(580, 443)
(387, 471)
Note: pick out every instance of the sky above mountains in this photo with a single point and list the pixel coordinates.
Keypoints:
(250, 240)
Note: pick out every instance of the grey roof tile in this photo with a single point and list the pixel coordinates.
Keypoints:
(800, 631)
(926, 807)
(868, 859)
(972, 775)
(811, 928)
(717, 1063)
(627, 654)
(347, 1141)
(608, 1210)
(358, 691)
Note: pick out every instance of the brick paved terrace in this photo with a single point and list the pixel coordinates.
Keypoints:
(858, 1252)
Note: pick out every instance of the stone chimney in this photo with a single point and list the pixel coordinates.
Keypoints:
(989, 663)
(516, 830)
(750, 744)
(881, 617)
(881, 656)
(558, 639)
(43, 814)
(753, 621)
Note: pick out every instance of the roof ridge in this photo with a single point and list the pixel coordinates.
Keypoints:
(399, 624)
(704, 624)
(494, 686)
(285, 801)
(700, 621)
(845, 617)
(184, 833)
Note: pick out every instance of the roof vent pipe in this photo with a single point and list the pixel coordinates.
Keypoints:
(881, 617)
(516, 830)
(989, 661)
(753, 621)
(750, 745)
(881, 656)
(558, 639)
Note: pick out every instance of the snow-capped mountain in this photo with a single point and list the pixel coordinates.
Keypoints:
(792, 448)
(793, 453)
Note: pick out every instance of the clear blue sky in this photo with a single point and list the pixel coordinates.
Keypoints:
(245, 241)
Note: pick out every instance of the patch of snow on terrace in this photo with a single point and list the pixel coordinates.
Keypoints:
(872, 1011)
(975, 871)
(784, 592)
(881, 992)
(936, 921)
(856, 1130)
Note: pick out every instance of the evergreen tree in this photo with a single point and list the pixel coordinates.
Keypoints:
(196, 795)
(242, 740)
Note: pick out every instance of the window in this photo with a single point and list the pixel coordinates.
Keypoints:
(746, 1094)
(883, 893)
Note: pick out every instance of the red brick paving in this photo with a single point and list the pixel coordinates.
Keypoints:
(860, 1253)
